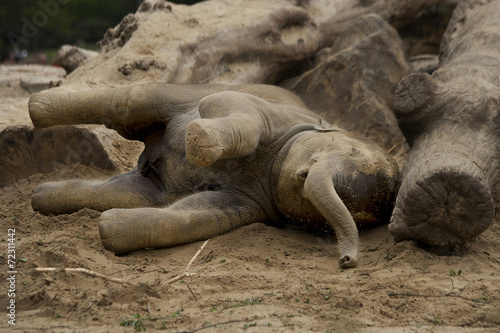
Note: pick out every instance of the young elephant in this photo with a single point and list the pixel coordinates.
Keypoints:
(218, 157)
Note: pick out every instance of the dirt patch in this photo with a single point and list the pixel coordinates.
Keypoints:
(252, 279)
(256, 278)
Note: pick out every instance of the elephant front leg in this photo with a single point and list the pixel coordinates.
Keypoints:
(197, 217)
(124, 191)
(229, 127)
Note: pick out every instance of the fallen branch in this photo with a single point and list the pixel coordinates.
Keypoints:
(80, 270)
(217, 324)
(445, 295)
(182, 276)
(423, 295)
(186, 274)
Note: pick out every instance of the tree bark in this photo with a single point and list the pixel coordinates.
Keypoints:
(234, 42)
(452, 121)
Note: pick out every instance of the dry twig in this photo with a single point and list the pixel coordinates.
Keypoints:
(428, 296)
(217, 324)
(186, 274)
(195, 298)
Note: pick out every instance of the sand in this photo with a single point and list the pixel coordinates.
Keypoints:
(256, 278)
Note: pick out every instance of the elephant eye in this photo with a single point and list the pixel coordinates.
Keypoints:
(302, 174)
(156, 163)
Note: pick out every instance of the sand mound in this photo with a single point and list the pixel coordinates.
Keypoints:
(256, 278)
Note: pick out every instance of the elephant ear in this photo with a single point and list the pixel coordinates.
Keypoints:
(133, 111)
(319, 189)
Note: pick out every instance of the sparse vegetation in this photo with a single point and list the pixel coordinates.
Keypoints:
(137, 322)
(248, 301)
(389, 256)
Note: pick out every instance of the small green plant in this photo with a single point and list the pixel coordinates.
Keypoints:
(249, 325)
(177, 313)
(327, 296)
(223, 261)
(268, 324)
(137, 322)
(58, 315)
(453, 273)
(248, 301)
(482, 300)
(308, 285)
(213, 309)
(435, 319)
(389, 256)
(16, 222)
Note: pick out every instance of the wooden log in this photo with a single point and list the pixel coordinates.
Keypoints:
(452, 121)
(235, 42)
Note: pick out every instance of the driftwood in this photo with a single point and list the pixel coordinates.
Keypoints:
(351, 84)
(452, 121)
(228, 42)
(70, 57)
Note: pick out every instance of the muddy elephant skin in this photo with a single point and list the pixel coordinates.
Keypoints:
(218, 157)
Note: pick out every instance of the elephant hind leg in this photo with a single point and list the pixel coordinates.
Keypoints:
(194, 218)
(123, 191)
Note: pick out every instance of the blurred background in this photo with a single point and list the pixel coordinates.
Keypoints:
(33, 30)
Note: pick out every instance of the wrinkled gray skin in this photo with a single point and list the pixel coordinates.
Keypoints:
(451, 119)
(218, 157)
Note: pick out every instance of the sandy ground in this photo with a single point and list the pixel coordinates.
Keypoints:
(255, 279)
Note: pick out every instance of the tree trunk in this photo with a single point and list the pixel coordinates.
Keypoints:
(452, 121)
(234, 42)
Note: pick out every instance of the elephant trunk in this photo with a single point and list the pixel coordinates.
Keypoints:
(320, 191)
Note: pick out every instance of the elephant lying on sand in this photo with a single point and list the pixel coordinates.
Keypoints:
(219, 157)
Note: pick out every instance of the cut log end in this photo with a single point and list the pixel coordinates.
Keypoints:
(446, 206)
(413, 95)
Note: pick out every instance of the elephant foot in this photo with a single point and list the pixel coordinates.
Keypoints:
(125, 230)
(443, 206)
(41, 199)
(202, 146)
